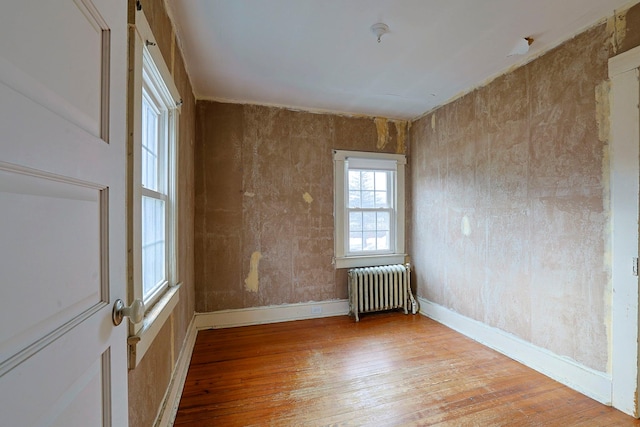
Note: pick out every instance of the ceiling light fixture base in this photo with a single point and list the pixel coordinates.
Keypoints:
(379, 30)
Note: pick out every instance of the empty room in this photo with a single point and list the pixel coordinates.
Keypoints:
(319, 212)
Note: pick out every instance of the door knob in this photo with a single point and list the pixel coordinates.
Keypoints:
(135, 312)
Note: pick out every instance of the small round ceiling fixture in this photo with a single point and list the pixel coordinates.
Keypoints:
(379, 30)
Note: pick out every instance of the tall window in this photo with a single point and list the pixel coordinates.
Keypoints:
(154, 162)
(369, 208)
(157, 141)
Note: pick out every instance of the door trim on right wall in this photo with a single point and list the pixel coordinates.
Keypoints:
(624, 152)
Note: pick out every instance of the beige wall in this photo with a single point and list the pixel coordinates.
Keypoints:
(150, 379)
(510, 199)
(254, 166)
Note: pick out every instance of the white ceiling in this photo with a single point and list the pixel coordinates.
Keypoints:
(320, 55)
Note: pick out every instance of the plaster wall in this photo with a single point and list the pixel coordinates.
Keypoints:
(149, 381)
(510, 215)
(264, 201)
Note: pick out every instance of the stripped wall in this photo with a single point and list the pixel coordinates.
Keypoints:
(149, 381)
(264, 201)
(510, 189)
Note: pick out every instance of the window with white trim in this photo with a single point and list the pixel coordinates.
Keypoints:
(157, 146)
(368, 208)
(155, 108)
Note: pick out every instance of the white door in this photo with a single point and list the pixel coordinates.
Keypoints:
(62, 230)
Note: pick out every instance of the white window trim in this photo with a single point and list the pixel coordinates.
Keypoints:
(341, 258)
(142, 335)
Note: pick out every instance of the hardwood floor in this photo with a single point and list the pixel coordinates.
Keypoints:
(389, 369)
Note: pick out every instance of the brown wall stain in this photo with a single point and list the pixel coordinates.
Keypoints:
(264, 183)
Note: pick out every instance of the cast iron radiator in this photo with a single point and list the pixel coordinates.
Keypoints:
(380, 288)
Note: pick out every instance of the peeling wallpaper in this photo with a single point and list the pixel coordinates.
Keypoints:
(264, 202)
(509, 219)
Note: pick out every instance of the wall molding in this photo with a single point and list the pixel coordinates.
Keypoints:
(169, 407)
(592, 383)
(270, 314)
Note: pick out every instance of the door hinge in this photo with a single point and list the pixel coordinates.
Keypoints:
(635, 266)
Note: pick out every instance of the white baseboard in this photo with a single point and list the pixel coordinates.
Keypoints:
(270, 314)
(169, 408)
(595, 384)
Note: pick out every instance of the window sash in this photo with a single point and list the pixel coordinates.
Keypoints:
(359, 192)
(154, 246)
(155, 142)
(365, 231)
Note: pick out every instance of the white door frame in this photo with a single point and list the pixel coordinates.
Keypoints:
(624, 175)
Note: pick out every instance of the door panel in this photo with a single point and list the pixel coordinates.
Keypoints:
(62, 229)
(55, 226)
(66, 77)
(67, 387)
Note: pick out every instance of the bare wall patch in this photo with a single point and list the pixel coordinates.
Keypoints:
(252, 282)
(382, 126)
(401, 131)
(307, 198)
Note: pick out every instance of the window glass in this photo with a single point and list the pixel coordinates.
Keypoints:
(150, 143)
(153, 245)
(369, 210)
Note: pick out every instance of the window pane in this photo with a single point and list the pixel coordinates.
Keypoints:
(153, 245)
(355, 221)
(355, 242)
(381, 181)
(354, 199)
(368, 180)
(369, 220)
(368, 199)
(382, 240)
(369, 241)
(383, 221)
(382, 200)
(354, 180)
(150, 149)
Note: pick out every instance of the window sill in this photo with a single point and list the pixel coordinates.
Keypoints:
(369, 261)
(153, 321)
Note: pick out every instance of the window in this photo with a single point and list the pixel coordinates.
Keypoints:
(157, 143)
(154, 107)
(368, 208)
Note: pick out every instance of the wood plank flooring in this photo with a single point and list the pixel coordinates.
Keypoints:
(389, 369)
